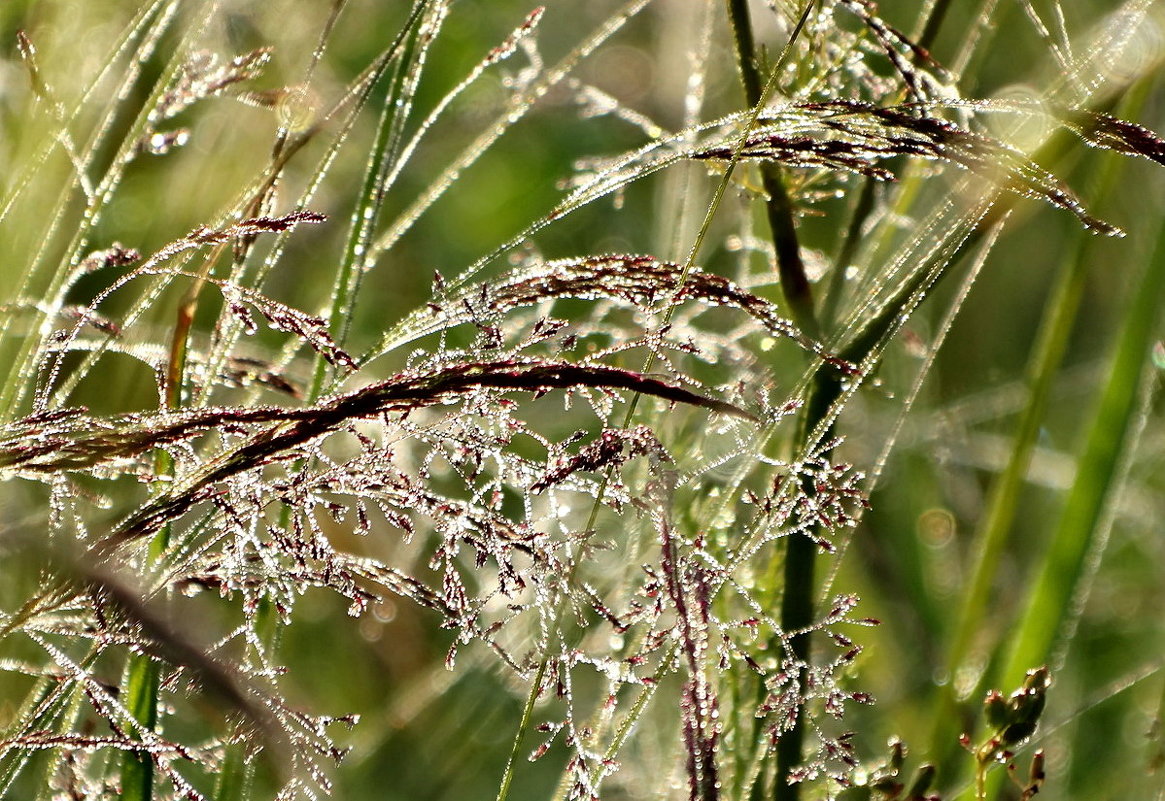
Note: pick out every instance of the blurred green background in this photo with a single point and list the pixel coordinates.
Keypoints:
(431, 733)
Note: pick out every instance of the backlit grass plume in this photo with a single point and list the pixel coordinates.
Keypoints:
(451, 400)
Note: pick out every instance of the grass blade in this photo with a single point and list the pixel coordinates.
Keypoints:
(1064, 566)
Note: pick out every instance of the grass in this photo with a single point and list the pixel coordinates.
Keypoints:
(636, 400)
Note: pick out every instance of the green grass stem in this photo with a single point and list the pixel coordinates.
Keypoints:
(794, 283)
(1065, 566)
(998, 521)
(15, 390)
(1080, 536)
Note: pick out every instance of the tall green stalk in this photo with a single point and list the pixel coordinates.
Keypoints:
(1051, 344)
(794, 283)
(1076, 545)
(799, 556)
(1081, 529)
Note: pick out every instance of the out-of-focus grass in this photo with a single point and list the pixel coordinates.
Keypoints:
(431, 733)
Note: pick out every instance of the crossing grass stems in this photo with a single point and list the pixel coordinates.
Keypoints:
(603, 488)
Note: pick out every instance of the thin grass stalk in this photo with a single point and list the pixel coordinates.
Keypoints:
(678, 203)
(1003, 500)
(70, 710)
(346, 286)
(794, 284)
(1064, 566)
(982, 252)
(688, 265)
(798, 582)
(933, 24)
(236, 779)
(19, 381)
(877, 247)
(365, 215)
(989, 20)
(1051, 344)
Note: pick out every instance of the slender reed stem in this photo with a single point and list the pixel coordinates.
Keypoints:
(795, 286)
(934, 22)
(799, 555)
(845, 255)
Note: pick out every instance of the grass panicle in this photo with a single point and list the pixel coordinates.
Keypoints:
(444, 401)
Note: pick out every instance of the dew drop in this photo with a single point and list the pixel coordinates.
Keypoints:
(1026, 123)
(725, 518)
(936, 527)
(385, 611)
(1136, 41)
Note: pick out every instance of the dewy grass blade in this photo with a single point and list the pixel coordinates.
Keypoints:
(519, 107)
(356, 98)
(1064, 567)
(996, 524)
(496, 482)
(111, 180)
(353, 101)
(397, 103)
(1077, 542)
(148, 28)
